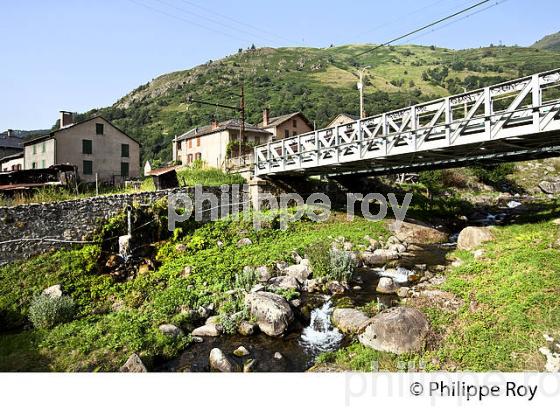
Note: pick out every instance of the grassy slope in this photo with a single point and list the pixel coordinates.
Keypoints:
(100, 339)
(510, 300)
(319, 82)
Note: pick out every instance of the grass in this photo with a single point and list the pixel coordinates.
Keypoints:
(100, 339)
(197, 175)
(510, 300)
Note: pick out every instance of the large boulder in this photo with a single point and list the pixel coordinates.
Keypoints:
(208, 330)
(397, 330)
(349, 320)
(378, 257)
(271, 311)
(472, 237)
(386, 285)
(549, 187)
(284, 282)
(219, 361)
(133, 365)
(417, 232)
(301, 272)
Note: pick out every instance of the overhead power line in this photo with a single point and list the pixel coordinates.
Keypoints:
(449, 17)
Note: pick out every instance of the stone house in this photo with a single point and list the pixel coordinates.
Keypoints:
(210, 143)
(94, 145)
(12, 162)
(342, 119)
(285, 126)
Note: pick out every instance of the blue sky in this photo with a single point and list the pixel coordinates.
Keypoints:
(80, 54)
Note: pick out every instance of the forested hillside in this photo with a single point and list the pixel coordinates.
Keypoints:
(319, 82)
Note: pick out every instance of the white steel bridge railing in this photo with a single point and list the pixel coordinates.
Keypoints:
(524, 106)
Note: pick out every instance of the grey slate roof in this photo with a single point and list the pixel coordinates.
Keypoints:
(233, 124)
(10, 142)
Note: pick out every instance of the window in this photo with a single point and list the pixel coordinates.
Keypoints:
(198, 156)
(124, 150)
(88, 167)
(43, 165)
(294, 123)
(189, 159)
(198, 141)
(294, 133)
(34, 149)
(124, 169)
(44, 147)
(33, 165)
(99, 129)
(87, 147)
(286, 133)
(190, 143)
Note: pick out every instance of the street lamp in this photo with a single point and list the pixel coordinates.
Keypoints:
(361, 89)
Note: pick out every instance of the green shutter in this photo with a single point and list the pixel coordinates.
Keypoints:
(124, 169)
(124, 150)
(87, 147)
(88, 167)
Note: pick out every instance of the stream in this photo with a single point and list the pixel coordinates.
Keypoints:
(312, 332)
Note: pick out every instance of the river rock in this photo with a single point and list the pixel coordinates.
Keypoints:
(53, 292)
(263, 273)
(241, 351)
(349, 320)
(278, 356)
(397, 247)
(403, 292)
(180, 247)
(314, 285)
(209, 329)
(246, 328)
(378, 257)
(335, 287)
(397, 330)
(472, 237)
(284, 282)
(219, 361)
(271, 311)
(244, 242)
(170, 330)
(300, 272)
(386, 285)
(549, 187)
(417, 232)
(133, 365)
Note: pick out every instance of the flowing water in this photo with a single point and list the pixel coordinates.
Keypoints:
(321, 336)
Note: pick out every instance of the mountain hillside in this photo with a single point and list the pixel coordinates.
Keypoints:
(321, 82)
(550, 42)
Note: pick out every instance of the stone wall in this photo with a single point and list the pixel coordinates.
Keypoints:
(76, 220)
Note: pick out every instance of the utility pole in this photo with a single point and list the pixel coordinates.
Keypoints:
(240, 109)
(361, 89)
(242, 114)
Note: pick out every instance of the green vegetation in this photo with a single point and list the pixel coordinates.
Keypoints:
(550, 42)
(114, 318)
(198, 175)
(319, 82)
(328, 262)
(46, 312)
(510, 299)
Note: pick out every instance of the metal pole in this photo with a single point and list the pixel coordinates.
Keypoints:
(242, 111)
(96, 185)
(361, 88)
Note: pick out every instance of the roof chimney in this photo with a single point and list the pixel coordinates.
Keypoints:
(214, 124)
(66, 119)
(266, 117)
(10, 133)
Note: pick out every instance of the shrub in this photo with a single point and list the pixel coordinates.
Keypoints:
(493, 175)
(46, 312)
(342, 265)
(330, 263)
(246, 279)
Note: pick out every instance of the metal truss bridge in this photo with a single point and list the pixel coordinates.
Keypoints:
(515, 120)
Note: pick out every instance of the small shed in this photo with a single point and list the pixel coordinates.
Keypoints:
(165, 178)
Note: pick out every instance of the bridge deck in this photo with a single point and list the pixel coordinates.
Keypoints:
(516, 120)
